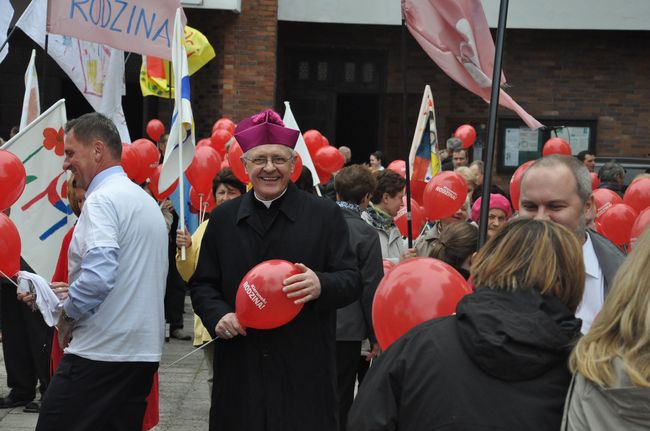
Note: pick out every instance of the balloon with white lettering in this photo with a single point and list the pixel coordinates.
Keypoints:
(260, 301)
(444, 195)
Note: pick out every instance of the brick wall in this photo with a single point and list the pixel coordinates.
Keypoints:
(242, 78)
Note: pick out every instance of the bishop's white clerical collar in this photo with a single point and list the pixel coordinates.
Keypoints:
(267, 204)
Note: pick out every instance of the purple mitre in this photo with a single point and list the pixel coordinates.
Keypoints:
(264, 128)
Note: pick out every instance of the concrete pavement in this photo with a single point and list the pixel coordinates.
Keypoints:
(184, 400)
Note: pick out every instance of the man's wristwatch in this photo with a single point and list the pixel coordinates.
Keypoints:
(65, 316)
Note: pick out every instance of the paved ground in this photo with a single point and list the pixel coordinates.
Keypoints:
(184, 401)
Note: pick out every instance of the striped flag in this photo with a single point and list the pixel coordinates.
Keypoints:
(181, 135)
(42, 214)
(423, 156)
(31, 100)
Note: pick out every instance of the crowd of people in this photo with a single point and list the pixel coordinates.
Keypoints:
(555, 334)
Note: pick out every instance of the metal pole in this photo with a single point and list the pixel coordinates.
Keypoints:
(8, 37)
(492, 122)
(409, 226)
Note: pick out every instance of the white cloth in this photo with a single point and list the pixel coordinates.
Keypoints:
(593, 296)
(46, 300)
(129, 324)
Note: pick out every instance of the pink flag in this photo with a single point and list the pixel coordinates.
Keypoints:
(455, 34)
(141, 26)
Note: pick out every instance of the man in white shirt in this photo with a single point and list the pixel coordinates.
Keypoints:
(558, 188)
(112, 323)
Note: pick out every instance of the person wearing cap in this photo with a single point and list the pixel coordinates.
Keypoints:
(282, 378)
(500, 212)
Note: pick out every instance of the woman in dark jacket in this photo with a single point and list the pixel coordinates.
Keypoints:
(500, 363)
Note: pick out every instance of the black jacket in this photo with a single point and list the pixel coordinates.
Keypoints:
(354, 321)
(283, 378)
(499, 364)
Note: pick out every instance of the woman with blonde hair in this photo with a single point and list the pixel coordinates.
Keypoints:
(499, 363)
(611, 388)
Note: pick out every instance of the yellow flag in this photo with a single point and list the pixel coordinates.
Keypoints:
(154, 72)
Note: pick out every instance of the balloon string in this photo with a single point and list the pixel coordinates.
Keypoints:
(201, 209)
(8, 278)
(189, 354)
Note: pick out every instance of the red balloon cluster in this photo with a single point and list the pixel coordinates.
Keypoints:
(417, 218)
(327, 159)
(515, 183)
(153, 185)
(202, 202)
(641, 223)
(413, 292)
(605, 199)
(225, 124)
(616, 223)
(297, 170)
(637, 194)
(595, 181)
(398, 166)
(234, 156)
(444, 195)
(556, 146)
(260, 302)
(219, 139)
(9, 247)
(467, 134)
(155, 129)
(205, 165)
(12, 179)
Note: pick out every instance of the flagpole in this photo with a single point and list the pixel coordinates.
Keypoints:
(409, 224)
(492, 123)
(7, 39)
(43, 71)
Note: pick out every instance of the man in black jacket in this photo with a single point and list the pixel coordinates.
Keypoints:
(282, 378)
(354, 185)
(559, 188)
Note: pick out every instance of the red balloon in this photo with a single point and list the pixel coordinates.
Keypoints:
(556, 146)
(413, 292)
(9, 247)
(417, 190)
(205, 165)
(155, 129)
(314, 141)
(641, 223)
(616, 223)
(12, 179)
(224, 163)
(637, 194)
(595, 181)
(515, 183)
(467, 134)
(236, 165)
(388, 265)
(225, 124)
(398, 166)
(203, 142)
(329, 159)
(417, 218)
(206, 199)
(131, 161)
(297, 170)
(153, 185)
(604, 199)
(323, 177)
(219, 139)
(149, 159)
(260, 301)
(444, 195)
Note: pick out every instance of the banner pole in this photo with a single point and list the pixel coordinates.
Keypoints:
(492, 123)
(409, 224)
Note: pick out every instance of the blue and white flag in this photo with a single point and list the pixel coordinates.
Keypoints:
(181, 135)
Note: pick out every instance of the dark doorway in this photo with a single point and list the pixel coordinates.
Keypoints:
(357, 124)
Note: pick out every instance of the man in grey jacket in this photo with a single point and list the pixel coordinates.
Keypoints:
(354, 185)
(559, 188)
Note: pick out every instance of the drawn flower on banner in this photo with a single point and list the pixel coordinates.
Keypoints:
(53, 140)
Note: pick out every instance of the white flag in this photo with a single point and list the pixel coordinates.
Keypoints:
(5, 19)
(181, 133)
(93, 68)
(42, 214)
(301, 147)
(31, 100)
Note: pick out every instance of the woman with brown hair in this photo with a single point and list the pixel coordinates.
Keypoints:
(611, 389)
(456, 246)
(499, 363)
